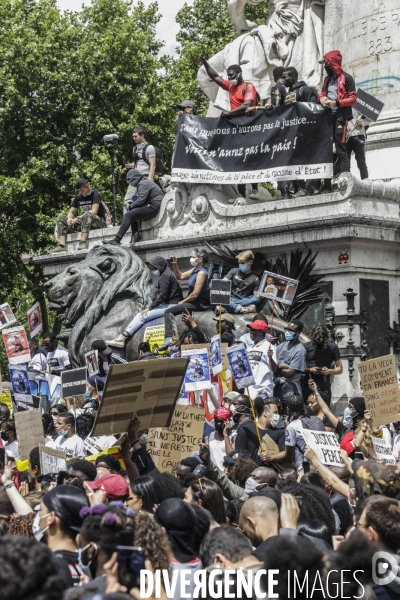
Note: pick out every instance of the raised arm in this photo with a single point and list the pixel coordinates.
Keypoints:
(330, 477)
(178, 273)
(212, 73)
(323, 405)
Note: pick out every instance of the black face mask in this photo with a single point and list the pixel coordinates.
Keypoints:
(236, 417)
(219, 427)
(4, 436)
(329, 71)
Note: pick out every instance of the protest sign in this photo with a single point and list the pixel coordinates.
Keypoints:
(277, 287)
(73, 383)
(225, 363)
(20, 383)
(216, 355)
(16, 345)
(149, 388)
(381, 389)
(29, 431)
(288, 143)
(269, 446)
(197, 376)
(35, 320)
(168, 445)
(220, 291)
(325, 446)
(5, 398)
(6, 315)
(52, 461)
(382, 450)
(240, 366)
(92, 362)
(368, 105)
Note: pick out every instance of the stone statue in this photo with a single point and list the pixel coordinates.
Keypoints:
(292, 36)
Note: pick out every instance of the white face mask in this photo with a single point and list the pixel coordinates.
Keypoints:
(156, 273)
(193, 261)
(232, 407)
(273, 420)
(37, 532)
(250, 485)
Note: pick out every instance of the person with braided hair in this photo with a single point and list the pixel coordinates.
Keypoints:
(322, 354)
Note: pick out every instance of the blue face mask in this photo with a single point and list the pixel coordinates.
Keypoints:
(289, 336)
(62, 432)
(243, 268)
(347, 417)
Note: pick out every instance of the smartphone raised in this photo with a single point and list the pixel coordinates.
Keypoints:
(130, 563)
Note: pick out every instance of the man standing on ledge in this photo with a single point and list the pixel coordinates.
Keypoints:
(93, 217)
(242, 95)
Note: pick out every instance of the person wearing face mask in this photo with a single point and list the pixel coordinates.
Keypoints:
(291, 360)
(9, 437)
(198, 297)
(245, 286)
(218, 441)
(321, 355)
(339, 95)
(260, 356)
(168, 295)
(66, 440)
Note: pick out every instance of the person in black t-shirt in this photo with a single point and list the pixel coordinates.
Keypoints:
(245, 286)
(321, 354)
(93, 217)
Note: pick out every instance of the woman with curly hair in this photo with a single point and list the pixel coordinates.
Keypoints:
(207, 494)
(153, 540)
(322, 354)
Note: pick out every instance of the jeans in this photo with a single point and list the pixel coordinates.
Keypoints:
(356, 143)
(87, 222)
(177, 310)
(140, 319)
(134, 216)
(243, 302)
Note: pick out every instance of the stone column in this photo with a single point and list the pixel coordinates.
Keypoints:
(367, 34)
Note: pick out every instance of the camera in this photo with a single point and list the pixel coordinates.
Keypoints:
(110, 139)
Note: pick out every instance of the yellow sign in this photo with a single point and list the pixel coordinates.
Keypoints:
(5, 398)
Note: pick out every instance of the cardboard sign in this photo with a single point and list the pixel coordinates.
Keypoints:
(20, 383)
(269, 446)
(368, 105)
(5, 398)
(381, 389)
(149, 388)
(92, 362)
(168, 445)
(220, 291)
(278, 288)
(240, 366)
(35, 320)
(383, 451)
(29, 431)
(52, 461)
(325, 446)
(16, 344)
(6, 315)
(73, 383)
(216, 355)
(197, 376)
(225, 362)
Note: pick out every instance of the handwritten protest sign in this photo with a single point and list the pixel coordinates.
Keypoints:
(197, 376)
(168, 445)
(380, 387)
(383, 451)
(325, 446)
(269, 446)
(51, 460)
(29, 431)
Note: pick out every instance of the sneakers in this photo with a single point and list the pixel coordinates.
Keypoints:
(249, 309)
(58, 248)
(82, 246)
(136, 237)
(165, 344)
(113, 242)
(301, 194)
(119, 341)
(238, 310)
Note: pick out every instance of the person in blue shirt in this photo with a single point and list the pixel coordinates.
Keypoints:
(291, 362)
(198, 297)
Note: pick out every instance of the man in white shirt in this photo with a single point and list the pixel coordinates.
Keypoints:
(66, 440)
(38, 360)
(260, 360)
(57, 356)
(144, 154)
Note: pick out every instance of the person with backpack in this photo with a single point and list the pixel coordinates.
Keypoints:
(94, 216)
(147, 159)
(242, 95)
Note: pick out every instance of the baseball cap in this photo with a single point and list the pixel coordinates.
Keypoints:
(187, 104)
(113, 485)
(258, 326)
(226, 317)
(321, 62)
(80, 183)
(101, 346)
(231, 395)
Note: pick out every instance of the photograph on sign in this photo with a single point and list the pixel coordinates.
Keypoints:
(277, 287)
(20, 383)
(73, 382)
(197, 376)
(16, 344)
(240, 366)
(380, 387)
(92, 362)
(6, 315)
(383, 451)
(29, 428)
(325, 446)
(220, 291)
(149, 388)
(224, 346)
(216, 355)
(35, 320)
(52, 461)
(368, 106)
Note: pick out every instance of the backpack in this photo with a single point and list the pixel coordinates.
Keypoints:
(313, 423)
(257, 94)
(159, 157)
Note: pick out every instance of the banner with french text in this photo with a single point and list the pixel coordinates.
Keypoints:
(290, 142)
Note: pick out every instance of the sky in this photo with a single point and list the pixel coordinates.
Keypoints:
(167, 27)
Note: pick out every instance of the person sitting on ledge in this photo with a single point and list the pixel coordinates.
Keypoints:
(94, 216)
(198, 297)
(245, 286)
(186, 107)
(169, 294)
(142, 207)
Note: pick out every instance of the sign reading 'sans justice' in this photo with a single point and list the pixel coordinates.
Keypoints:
(380, 387)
